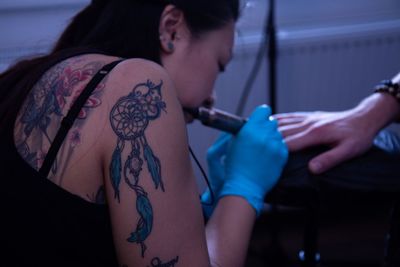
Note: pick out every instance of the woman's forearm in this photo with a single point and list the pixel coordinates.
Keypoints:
(228, 232)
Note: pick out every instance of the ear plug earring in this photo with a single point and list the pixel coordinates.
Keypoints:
(170, 46)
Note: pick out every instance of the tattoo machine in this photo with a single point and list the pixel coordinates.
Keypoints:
(217, 119)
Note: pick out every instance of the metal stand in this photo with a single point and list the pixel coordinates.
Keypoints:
(272, 55)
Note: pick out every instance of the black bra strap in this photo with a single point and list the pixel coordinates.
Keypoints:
(72, 114)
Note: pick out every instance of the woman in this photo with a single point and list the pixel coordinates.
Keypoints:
(95, 151)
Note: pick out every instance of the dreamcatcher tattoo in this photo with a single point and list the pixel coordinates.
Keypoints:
(129, 119)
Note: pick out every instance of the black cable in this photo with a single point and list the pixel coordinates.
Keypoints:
(254, 71)
(204, 176)
(272, 55)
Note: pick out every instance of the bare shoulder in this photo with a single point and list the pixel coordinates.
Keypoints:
(138, 66)
(143, 91)
(141, 73)
(143, 117)
(147, 169)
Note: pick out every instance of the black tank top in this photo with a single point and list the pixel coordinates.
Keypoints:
(43, 224)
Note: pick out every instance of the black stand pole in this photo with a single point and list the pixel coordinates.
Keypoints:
(278, 257)
(272, 55)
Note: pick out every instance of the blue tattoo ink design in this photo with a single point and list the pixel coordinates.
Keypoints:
(129, 118)
(145, 224)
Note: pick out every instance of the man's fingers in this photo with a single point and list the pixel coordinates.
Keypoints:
(304, 139)
(330, 159)
(290, 121)
(293, 129)
(282, 116)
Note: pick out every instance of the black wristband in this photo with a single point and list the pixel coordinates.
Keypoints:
(387, 86)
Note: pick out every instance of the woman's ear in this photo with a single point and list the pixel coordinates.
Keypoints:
(172, 26)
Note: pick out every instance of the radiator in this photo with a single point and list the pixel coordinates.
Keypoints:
(326, 68)
(335, 68)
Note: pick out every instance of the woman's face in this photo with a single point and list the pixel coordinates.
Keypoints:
(196, 61)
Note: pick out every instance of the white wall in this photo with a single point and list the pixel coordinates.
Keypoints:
(31, 26)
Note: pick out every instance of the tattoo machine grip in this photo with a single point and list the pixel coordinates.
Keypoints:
(217, 119)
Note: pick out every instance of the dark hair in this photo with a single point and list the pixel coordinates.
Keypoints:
(122, 28)
(129, 28)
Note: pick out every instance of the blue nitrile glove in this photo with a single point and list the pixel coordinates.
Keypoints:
(255, 159)
(216, 172)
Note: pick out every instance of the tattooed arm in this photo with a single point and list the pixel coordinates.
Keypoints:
(151, 191)
(150, 188)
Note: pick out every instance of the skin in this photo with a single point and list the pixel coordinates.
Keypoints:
(205, 55)
(349, 133)
(152, 197)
